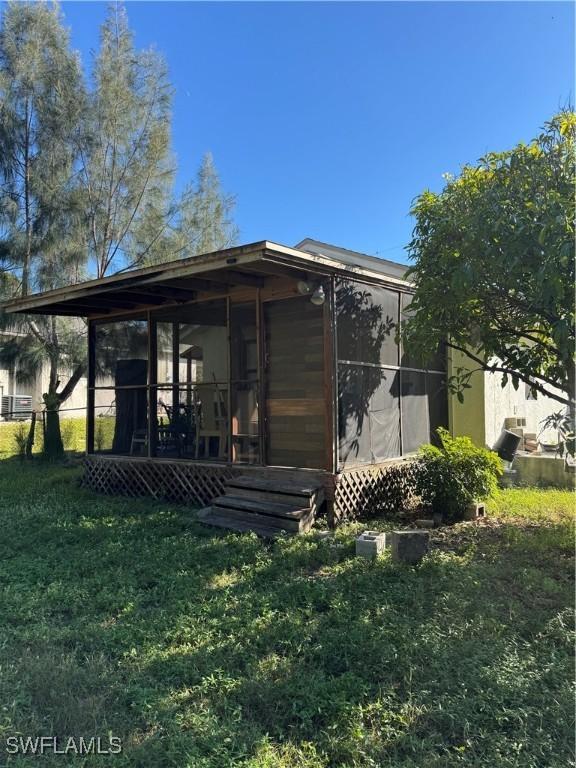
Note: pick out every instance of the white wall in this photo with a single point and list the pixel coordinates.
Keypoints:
(501, 403)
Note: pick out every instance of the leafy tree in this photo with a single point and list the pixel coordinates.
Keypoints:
(41, 230)
(494, 265)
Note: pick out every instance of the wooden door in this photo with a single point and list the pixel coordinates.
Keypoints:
(294, 384)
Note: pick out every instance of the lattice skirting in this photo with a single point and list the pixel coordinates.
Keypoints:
(361, 492)
(195, 484)
(376, 490)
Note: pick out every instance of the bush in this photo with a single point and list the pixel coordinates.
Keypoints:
(453, 476)
(73, 435)
(20, 437)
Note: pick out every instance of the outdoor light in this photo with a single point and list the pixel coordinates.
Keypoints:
(318, 297)
(303, 287)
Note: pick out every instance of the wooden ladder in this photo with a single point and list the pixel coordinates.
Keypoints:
(265, 506)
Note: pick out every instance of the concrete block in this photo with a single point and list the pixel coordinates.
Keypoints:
(370, 544)
(409, 546)
(474, 511)
(438, 519)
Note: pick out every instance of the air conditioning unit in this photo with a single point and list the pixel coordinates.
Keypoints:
(16, 407)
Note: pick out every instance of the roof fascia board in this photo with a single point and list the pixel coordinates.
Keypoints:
(326, 264)
(147, 276)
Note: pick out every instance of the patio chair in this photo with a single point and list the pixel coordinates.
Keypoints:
(210, 419)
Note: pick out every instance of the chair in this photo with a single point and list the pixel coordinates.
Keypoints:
(139, 440)
(210, 418)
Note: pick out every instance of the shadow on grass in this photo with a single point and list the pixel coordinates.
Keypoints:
(201, 648)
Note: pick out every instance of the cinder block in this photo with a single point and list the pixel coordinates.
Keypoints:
(474, 511)
(409, 546)
(370, 544)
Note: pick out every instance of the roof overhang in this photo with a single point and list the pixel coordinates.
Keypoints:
(180, 281)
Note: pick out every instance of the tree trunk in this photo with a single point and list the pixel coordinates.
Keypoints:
(30, 440)
(53, 445)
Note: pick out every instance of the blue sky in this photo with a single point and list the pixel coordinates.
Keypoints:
(326, 119)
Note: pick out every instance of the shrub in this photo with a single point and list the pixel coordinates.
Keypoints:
(456, 474)
(20, 437)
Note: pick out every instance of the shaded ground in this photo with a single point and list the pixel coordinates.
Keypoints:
(206, 649)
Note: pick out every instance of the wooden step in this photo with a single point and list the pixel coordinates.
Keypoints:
(209, 517)
(274, 509)
(273, 486)
(280, 498)
(281, 523)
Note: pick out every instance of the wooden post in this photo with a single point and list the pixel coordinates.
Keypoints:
(91, 384)
(330, 386)
(152, 385)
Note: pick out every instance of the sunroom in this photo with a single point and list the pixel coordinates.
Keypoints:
(261, 362)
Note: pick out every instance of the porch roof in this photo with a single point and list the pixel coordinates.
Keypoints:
(179, 281)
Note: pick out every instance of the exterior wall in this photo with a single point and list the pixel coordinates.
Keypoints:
(544, 471)
(487, 404)
(501, 403)
(467, 418)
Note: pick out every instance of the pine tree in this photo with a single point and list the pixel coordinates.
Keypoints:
(206, 222)
(127, 163)
(86, 181)
(41, 222)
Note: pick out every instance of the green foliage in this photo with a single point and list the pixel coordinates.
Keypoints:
(494, 263)
(41, 104)
(456, 474)
(20, 436)
(86, 181)
(216, 650)
(73, 435)
(205, 216)
(127, 160)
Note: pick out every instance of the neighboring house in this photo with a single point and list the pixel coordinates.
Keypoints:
(74, 407)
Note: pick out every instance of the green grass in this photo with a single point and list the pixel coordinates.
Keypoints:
(209, 649)
(73, 432)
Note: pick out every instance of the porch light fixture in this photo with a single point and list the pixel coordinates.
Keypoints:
(303, 287)
(318, 297)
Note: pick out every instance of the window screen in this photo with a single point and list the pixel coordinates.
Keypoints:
(415, 417)
(434, 362)
(388, 404)
(367, 318)
(369, 414)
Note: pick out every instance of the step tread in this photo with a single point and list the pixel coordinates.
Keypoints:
(272, 508)
(262, 484)
(294, 526)
(230, 523)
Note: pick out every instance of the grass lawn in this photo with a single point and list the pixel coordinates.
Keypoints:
(205, 649)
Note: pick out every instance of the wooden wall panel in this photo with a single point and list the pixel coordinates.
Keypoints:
(295, 395)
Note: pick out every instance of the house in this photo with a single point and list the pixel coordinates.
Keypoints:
(263, 381)
(18, 398)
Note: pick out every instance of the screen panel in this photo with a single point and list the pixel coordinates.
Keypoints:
(367, 320)
(415, 416)
(368, 415)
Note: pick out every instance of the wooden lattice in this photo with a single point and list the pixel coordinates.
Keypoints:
(361, 492)
(376, 490)
(185, 482)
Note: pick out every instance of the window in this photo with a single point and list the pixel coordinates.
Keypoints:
(181, 383)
